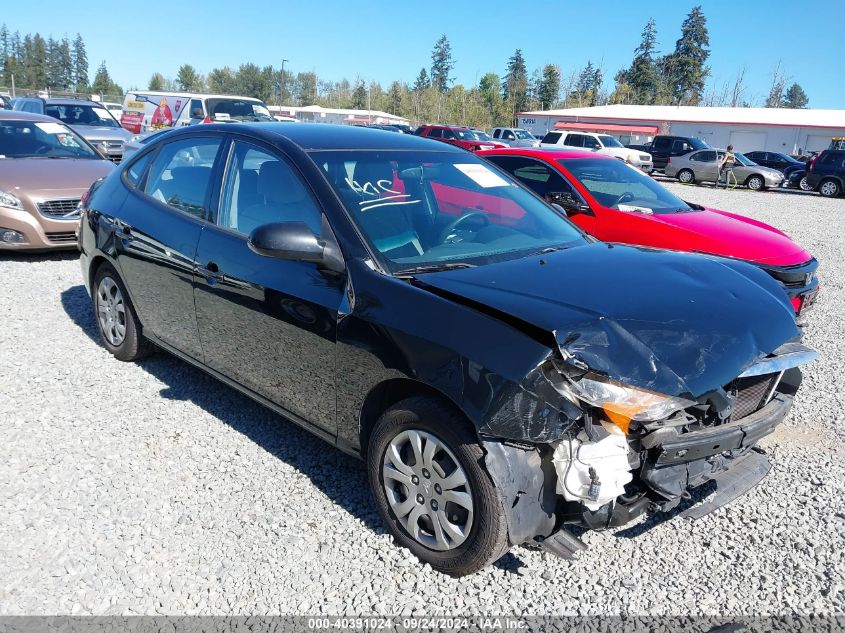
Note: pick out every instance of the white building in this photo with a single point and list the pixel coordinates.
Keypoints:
(317, 114)
(747, 129)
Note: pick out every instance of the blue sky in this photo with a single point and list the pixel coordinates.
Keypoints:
(384, 41)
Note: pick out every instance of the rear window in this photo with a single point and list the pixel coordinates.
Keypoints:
(237, 110)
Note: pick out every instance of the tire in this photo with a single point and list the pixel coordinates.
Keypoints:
(755, 182)
(803, 185)
(120, 330)
(830, 188)
(686, 176)
(407, 497)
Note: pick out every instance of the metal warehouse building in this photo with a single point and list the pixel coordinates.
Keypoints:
(747, 129)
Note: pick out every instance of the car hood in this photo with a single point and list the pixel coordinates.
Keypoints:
(731, 235)
(47, 178)
(675, 323)
(97, 133)
(620, 152)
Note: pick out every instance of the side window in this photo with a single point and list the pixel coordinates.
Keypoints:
(496, 133)
(591, 142)
(435, 133)
(537, 176)
(260, 187)
(662, 144)
(704, 157)
(447, 133)
(508, 135)
(181, 173)
(136, 170)
(552, 137)
(574, 140)
(196, 104)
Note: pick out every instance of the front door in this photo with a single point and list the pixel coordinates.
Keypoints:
(266, 323)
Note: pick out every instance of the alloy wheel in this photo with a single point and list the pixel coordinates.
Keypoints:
(804, 185)
(829, 189)
(755, 183)
(427, 490)
(111, 311)
(685, 176)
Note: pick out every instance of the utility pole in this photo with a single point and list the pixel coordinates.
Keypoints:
(282, 82)
(13, 86)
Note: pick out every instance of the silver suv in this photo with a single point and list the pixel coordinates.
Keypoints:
(515, 137)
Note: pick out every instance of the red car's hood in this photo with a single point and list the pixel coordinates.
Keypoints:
(730, 235)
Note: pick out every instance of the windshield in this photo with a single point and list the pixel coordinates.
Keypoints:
(742, 159)
(523, 135)
(441, 209)
(697, 143)
(238, 109)
(617, 185)
(609, 141)
(482, 136)
(465, 135)
(81, 114)
(36, 139)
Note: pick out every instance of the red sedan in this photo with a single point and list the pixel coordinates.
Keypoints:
(617, 203)
(460, 136)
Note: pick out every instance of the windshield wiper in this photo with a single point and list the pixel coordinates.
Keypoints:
(432, 268)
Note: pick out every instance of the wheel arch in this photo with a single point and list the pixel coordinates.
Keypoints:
(387, 393)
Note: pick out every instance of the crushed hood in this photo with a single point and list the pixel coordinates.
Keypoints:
(675, 323)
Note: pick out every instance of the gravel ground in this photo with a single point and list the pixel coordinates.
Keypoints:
(151, 488)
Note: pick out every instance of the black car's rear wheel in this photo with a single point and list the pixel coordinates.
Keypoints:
(119, 327)
(427, 475)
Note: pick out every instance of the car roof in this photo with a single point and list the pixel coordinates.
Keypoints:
(59, 101)
(20, 115)
(328, 136)
(544, 153)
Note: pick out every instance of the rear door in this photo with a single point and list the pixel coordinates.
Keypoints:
(266, 323)
(161, 222)
(705, 165)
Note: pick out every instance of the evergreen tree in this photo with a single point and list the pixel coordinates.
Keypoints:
(686, 67)
(221, 81)
(157, 82)
(642, 77)
(394, 97)
(79, 59)
(65, 62)
(188, 79)
(306, 88)
(359, 97)
(103, 83)
(441, 64)
(588, 86)
(795, 97)
(422, 81)
(515, 84)
(548, 90)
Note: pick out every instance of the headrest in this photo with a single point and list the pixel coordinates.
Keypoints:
(372, 172)
(277, 183)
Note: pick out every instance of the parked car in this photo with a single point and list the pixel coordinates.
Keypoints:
(460, 136)
(386, 128)
(600, 144)
(515, 137)
(703, 166)
(826, 173)
(116, 109)
(152, 110)
(138, 141)
(5, 102)
(38, 197)
(663, 147)
(502, 375)
(89, 119)
(784, 163)
(797, 179)
(616, 203)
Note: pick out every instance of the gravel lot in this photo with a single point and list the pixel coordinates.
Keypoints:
(152, 488)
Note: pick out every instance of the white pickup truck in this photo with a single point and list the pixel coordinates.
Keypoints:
(515, 137)
(599, 143)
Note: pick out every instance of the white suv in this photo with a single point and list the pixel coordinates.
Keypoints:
(599, 143)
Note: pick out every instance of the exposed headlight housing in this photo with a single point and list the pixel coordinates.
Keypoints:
(623, 403)
(9, 200)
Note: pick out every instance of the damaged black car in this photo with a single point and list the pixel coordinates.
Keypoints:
(504, 376)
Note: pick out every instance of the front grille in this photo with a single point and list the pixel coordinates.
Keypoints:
(645, 158)
(63, 237)
(57, 208)
(750, 393)
(115, 158)
(794, 276)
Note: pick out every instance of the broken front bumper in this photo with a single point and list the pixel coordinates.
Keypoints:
(687, 461)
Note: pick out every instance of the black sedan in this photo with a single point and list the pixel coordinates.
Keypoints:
(502, 375)
(784, 163)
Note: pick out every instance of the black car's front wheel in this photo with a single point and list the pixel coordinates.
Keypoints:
(119, 327)
(804, 185)
(427, 475)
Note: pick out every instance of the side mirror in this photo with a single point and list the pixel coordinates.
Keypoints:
(197, 113)
(294, 241)
(568, 203)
